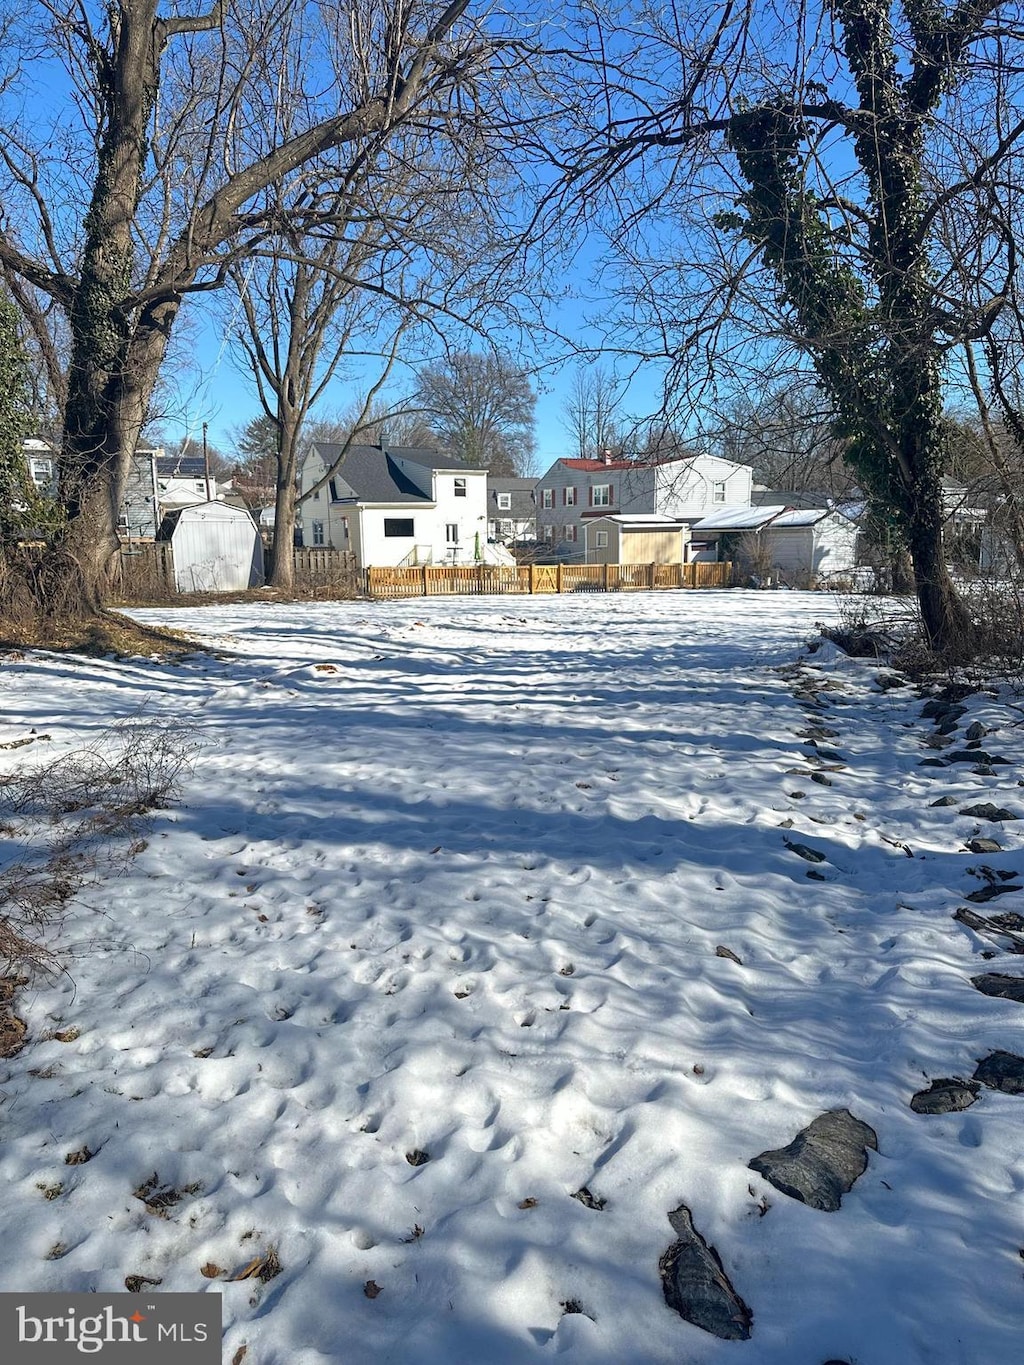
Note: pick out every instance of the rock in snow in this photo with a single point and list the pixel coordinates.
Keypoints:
(822, 1161)
(947, 1095)
(696, 1285)
(1000, 985)
(1002, 1071)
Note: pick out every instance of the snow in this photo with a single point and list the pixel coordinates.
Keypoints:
(449, 875)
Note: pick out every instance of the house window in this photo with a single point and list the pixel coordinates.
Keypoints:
(42, 471)
(718, 491)
(451, 533)
(601, 495)
(547, 533)
(334, 491)
(602, 540)
(399, 528)
(547, 497)
(504, 502)
(344, 529)
(460, 488)
(318, 533)
(568, 497)
(569, 532)
(316, 496)
(504, 528)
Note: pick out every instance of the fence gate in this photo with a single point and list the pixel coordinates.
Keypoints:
(544, 578)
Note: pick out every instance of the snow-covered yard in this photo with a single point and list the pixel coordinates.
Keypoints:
(444, 932)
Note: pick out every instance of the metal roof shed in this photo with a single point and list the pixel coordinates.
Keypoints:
(216, 548)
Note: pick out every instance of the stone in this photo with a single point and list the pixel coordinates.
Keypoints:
(822, 1162)
(976, 756)
(947, 1095)
(939, 708)
(950, 721)
(932, 763)
(1000, 986)
(976, 731)
(810, 855)
(945, 801)
(1002, 1071)
(980, 845)
(986, 811)
(696, 1286)
(588, 1200)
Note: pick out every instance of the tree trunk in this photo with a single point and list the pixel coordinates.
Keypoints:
(283, 574)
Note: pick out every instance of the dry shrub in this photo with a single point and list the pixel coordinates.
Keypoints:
(77, 819)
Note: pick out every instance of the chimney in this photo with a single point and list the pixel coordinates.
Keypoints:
(607, 456)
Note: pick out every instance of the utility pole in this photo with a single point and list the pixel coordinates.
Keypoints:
(206, 465)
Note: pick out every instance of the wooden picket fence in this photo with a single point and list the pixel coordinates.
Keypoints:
(146, 573)
(440, 580)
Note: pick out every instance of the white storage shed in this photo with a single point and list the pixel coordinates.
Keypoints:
(216, 548)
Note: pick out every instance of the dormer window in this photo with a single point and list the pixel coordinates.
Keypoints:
(460, 488)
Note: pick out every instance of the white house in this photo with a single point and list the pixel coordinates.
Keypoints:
(41, 463)
(392, 505)
(574, 491)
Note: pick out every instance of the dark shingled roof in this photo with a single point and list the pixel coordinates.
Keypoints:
(370, 474)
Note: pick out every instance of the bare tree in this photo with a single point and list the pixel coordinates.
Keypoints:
(153, 183)
(777, 175)
(480, 407)
(592, 412)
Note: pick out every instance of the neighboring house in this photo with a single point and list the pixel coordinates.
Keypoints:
(158, 482)
(575, 491)
(392, 505)
(42, 465)
(511, 510)
(635, 538)
(216, 548)
(788, 543)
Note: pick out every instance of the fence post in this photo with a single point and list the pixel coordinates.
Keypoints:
(650, 576)
(558, 576)
(423, 574)
(604, 577)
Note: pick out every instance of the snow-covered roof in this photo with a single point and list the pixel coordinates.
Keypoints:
(738, 518)
(634, 520)
(803, 516)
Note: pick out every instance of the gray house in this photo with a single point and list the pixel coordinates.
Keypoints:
(511, 509)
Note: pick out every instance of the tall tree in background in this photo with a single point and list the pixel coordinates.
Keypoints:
(592, 412)
(481, 410)
(149, 183)
(784, 186)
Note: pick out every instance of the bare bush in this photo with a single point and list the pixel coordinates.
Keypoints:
(75, 820)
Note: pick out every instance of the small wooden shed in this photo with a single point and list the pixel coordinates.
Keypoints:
(216, 548)
(635, 538)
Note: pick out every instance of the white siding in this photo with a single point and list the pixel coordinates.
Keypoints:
(216, 549)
